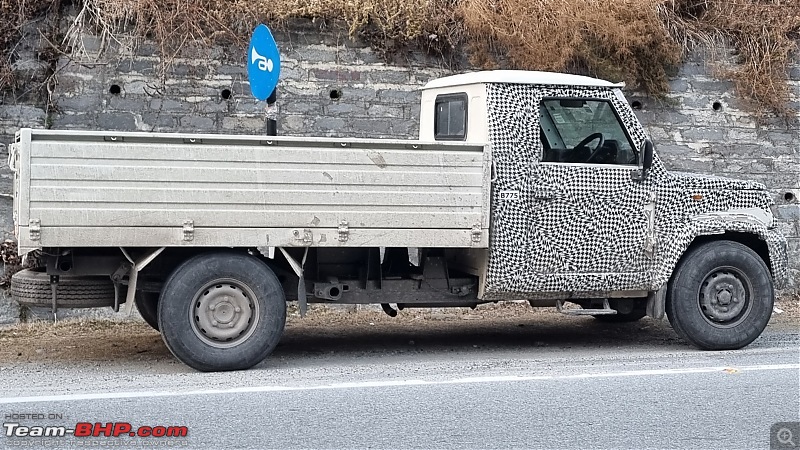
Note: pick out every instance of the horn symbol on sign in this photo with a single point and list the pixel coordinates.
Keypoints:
(264, 64)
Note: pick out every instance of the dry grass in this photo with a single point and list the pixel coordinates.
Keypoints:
(640, 42)
(14, 14)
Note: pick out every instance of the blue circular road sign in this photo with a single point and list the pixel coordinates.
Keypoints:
(263, 63)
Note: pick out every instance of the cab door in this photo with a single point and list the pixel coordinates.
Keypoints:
(590, 218)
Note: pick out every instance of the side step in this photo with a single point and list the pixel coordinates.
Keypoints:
(606, 309)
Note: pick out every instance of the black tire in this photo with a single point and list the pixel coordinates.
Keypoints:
(628, 310)
(147, 304)
(32, 288)
(222, 311)
(720, 296)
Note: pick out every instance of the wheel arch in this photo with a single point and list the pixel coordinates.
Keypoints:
(751, 240)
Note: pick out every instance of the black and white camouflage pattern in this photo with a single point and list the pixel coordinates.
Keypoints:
(583, 230)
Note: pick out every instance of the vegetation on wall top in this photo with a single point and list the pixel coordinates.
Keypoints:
(641, 42)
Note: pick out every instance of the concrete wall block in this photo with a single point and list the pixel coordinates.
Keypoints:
(330, 124)
(75, 121)
(127, 103)
(348, 109)
(22, 113)
(787, 166)
(743, 135)
(79, 102)
(135, 87)
(673, 118)
(166, 104)
(776, 181)
(190, 71)
(215, 106)
(298, 125)
(199, 124)
(704, 134)
(789, 229)
(140, 66)
(247, 124)
(788, 212)
(371, 127)
(314, 52)
(245, 105)
(239, 69)
(294, 73)
(389, 76)
(404, 129)
(339, 75)
(308, 105)
(352, 94)
(378, 110)
(117, 121)
(158, 121)
(401, 97)
(412, 112)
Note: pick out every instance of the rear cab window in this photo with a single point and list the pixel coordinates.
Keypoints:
(450, 121)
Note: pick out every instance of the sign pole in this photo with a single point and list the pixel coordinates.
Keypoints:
(272, 114)
(263, 71)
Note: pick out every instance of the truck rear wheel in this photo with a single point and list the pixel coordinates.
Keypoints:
(222, 311)
(720, 296)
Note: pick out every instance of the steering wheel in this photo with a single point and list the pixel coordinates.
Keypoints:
(590, 138)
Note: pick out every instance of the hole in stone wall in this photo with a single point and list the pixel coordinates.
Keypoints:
(335, 94)
(115, 89)
(789, 197)
(717, 106)
(225, 94)
(636, 104)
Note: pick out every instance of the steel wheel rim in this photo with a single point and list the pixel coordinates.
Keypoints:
(224, 313)
(725, 297)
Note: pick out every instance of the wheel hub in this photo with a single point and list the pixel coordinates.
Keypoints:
(223, 313)
(723, 297)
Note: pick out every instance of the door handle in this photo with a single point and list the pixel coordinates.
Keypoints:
(546, 194)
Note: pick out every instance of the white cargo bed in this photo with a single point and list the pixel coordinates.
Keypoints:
(98, 189)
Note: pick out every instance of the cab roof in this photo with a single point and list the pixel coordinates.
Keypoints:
(519, 77)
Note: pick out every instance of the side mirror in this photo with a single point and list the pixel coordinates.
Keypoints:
(647, 161)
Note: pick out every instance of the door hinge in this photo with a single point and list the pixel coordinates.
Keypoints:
(188, 230)
(344, 231)
(35, 229)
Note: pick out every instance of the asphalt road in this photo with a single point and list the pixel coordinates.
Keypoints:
(580, 394)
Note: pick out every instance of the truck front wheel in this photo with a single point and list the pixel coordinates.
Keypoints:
(222, 311)
(720, 296)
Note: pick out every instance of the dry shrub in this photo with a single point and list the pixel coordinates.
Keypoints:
(174, 24)
(764, 34)
(623, 40)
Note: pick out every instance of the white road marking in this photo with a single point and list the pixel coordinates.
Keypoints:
(399, 383)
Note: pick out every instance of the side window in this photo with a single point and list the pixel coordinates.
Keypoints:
(583, 131)
(451, 117)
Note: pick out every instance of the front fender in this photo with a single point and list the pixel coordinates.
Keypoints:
(754, 222)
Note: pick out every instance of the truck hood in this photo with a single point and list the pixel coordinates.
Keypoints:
(693, 181)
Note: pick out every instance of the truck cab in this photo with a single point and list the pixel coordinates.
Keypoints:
(583, 209)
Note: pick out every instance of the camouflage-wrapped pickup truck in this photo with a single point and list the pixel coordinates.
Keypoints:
(522, 186)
